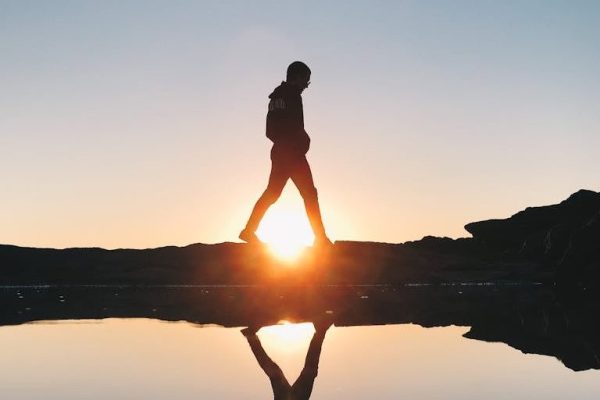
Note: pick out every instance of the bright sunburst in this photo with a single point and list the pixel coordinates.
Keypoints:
(286, 231)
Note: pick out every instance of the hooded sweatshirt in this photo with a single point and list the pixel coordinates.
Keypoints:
(285, 120)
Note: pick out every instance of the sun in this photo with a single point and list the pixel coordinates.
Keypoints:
(286, 231)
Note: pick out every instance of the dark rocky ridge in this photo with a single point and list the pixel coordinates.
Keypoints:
(564, 237)
(557, 243)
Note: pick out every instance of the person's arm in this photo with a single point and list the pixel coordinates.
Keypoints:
(285, 120)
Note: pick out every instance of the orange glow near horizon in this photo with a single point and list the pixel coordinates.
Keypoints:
(287, 233)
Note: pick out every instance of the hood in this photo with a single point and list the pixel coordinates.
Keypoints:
(285, 90)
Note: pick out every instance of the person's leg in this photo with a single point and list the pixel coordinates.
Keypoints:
(277, 180)
(303, 386)
(302, 177)
(279, 383)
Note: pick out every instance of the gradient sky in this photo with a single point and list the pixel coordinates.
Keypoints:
(141, 123)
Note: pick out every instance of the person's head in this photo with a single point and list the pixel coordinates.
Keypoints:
(298, 74)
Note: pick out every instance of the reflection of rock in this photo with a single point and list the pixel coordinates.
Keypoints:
(563, 328)
(531, 318)
(529, 246)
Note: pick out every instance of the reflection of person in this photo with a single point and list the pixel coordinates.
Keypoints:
(285, 128)
(302, 388)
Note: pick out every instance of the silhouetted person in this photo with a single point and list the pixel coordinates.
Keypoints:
(302, 388)
(285, 128)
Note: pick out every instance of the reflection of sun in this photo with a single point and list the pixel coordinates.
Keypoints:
(287, 337)
(286, 231)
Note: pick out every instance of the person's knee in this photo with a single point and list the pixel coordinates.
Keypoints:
(274, 373)
(309, 373)
(271, 195)
(310, 193)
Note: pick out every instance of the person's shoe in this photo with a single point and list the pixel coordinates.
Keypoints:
(250, 331)
(321, 324)
(322, 242)
(250, 237)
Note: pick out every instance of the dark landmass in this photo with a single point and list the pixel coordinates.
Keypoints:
(531, 318)
(564, 238)
(531, 281)
(557, 244)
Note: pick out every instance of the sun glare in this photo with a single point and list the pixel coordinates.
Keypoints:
(287, 233)
(288, 336)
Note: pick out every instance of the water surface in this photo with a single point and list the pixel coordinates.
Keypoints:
(370, 351)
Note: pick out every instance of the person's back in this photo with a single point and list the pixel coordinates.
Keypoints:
(285, 120)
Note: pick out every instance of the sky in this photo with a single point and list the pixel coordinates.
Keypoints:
(141, 123)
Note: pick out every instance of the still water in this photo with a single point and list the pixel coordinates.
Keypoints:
(150, 358)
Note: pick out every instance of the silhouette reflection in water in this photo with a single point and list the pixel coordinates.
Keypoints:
(302, 387)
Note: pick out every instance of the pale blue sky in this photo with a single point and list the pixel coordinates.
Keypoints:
(141, 123)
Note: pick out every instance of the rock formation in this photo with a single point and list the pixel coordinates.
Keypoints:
(552, 244)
